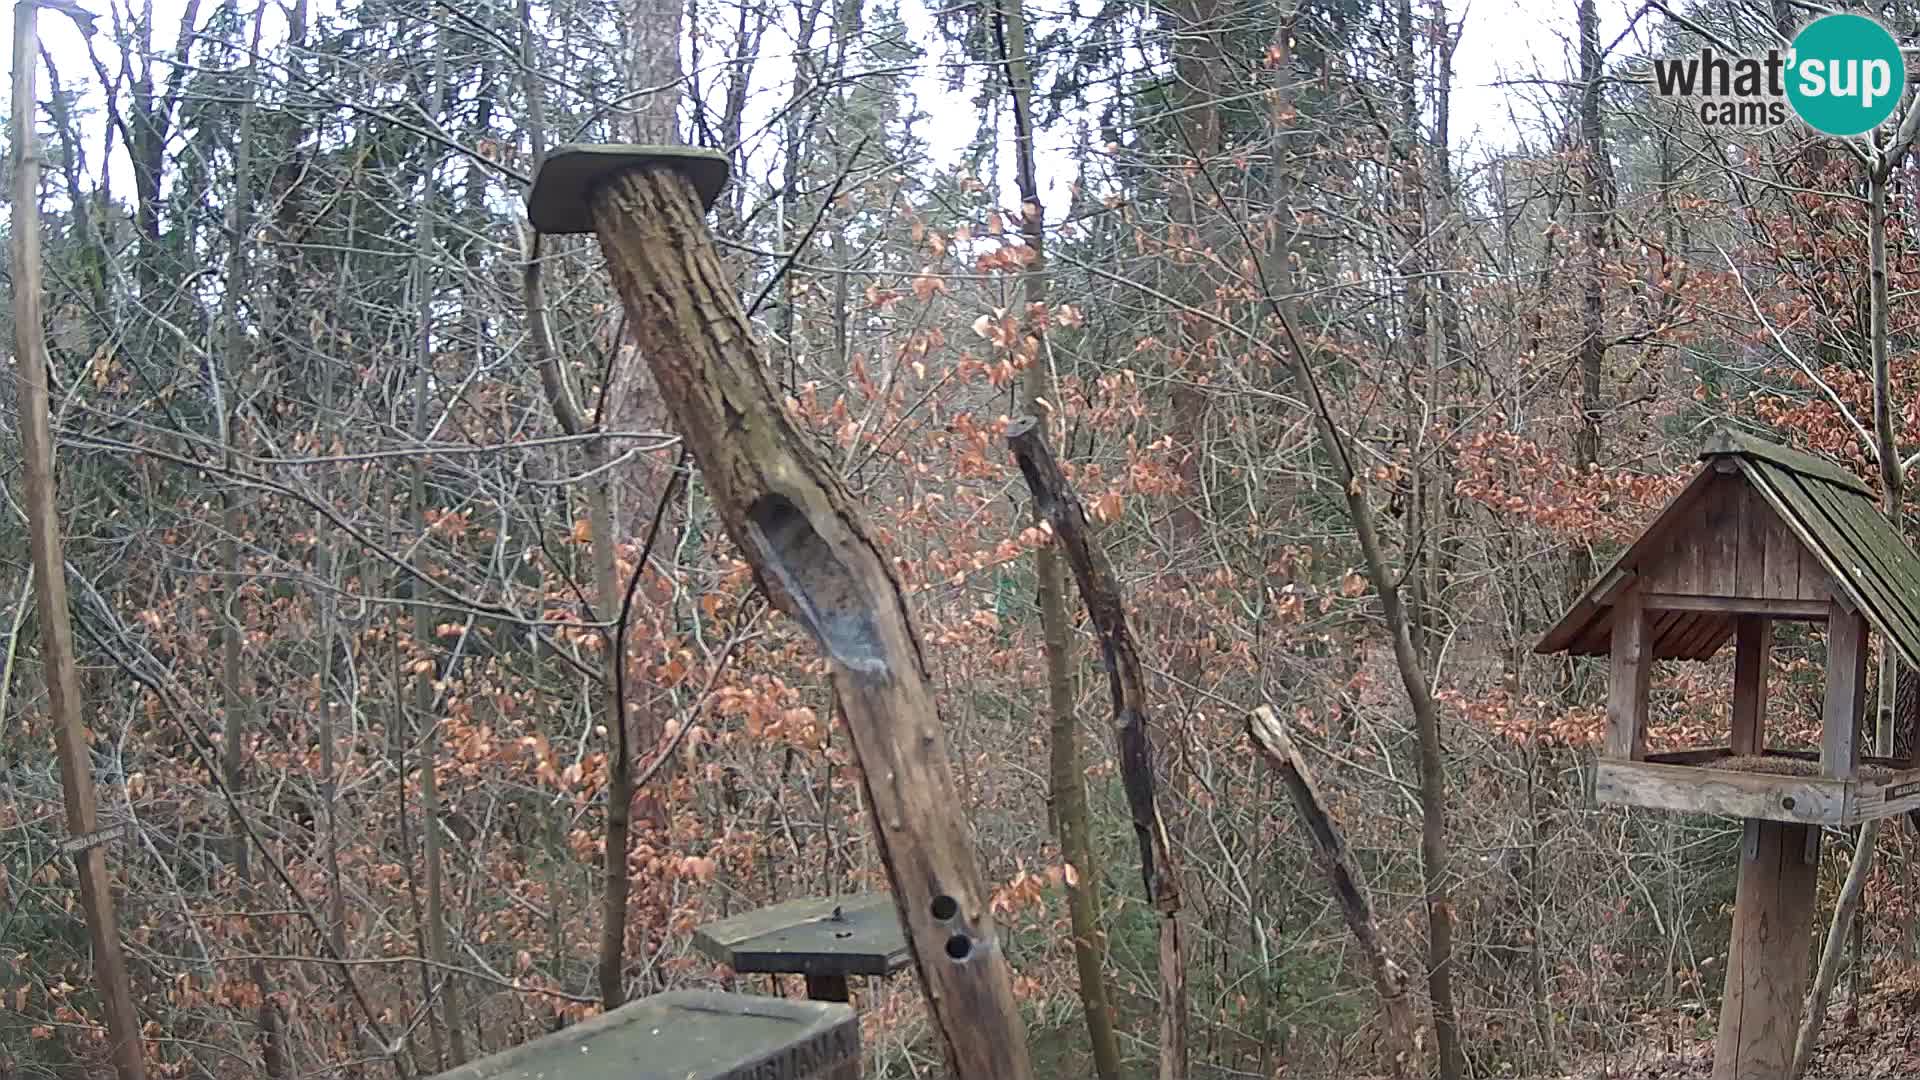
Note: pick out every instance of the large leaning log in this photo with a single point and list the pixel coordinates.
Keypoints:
(1060, 505)
(1270, 738)
(812, 553)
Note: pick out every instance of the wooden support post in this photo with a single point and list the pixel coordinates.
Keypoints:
(828, 988)
(809, 546)
(1846, 692)
(1753, 643)
(1767, 959)
(1632, 662)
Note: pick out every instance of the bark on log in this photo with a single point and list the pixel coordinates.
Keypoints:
(811, 551)
(1056, 500)
(1270, 737)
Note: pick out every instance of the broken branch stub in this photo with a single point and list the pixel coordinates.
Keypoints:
(810, 549)
(1056, 500)
(1269, 736)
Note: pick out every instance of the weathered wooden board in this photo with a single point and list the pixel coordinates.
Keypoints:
(804, 937)
(690, 1035)
(1899, 794)
(1696, 790)
(1631, 663)
(1846, 693)
(1753, 644)
(1767, 959)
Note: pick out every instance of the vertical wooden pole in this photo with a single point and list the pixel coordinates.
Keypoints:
(49, 565)
(1753, 643)
(1767, 960)
(1846, 691)
(1632, 662)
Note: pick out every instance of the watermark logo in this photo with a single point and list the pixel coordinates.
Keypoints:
(1842, 75)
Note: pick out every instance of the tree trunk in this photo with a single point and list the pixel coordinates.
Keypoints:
(1067, 780)
(1594, 211)
(810, 548)
(1127, 683)
(1426, 714)
(50, 573)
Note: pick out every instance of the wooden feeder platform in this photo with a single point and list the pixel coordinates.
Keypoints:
(1776, 785)
(689, 1035)
(825, 940)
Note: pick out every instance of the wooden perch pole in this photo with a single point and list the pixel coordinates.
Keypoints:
(1270, 737)
(1057, 502)
(49, 568)
(811, 551)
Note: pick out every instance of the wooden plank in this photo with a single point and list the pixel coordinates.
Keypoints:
(1652, 544)
(1900, 794)
(1718, 539)
(1631, 662)
(689, 1035)
(1810, 800)
(1696, 639)
(1879, 575)
(1800, 514)
(1886, 573)
(1803, 610)
(1780, 574)
(1755, 519)
(1733, 442)
(1861, 546)
(1721, 632)
(1696, 756)
(1767, 958)
(1846, 693)
(1753, 643)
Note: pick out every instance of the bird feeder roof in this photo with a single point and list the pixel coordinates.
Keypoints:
(1760, 529)
(850, 935)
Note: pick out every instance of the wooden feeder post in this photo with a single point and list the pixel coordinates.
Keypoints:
(810, 549)
(1762, 533)
(825, 940)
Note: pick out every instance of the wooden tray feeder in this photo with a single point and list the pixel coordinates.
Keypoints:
(690, 1035)
(824, 940)
(1761, 533)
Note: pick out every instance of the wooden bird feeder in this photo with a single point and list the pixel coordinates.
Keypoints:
(824, 940)
(1761, 533)
(690, 1035)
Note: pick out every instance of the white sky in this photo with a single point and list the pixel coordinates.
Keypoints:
(1503, 39)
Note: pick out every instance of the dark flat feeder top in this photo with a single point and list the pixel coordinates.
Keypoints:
(853, 935)
(687, 1035)
(562, 197)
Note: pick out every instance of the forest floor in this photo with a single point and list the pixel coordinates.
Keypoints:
(1874, 1038)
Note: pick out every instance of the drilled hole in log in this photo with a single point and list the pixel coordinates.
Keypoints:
(945, 907)
(959, 946)
(825, 595)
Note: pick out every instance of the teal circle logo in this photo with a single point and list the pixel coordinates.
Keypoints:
(1846, 74)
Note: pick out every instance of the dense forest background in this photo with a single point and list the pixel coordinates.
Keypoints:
(345, 494)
